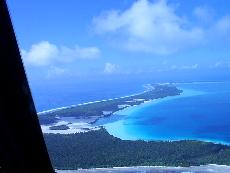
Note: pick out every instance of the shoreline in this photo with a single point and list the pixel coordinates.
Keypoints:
(114, 105)
(144, 86)
(208, 82)
(98, 144)
(209, 168)
(185, 93)
(86, 103)
(84, 126)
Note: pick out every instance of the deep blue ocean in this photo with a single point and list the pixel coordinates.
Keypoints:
(201, 112)
(55, 95)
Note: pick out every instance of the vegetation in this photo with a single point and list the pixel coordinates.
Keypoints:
(60, 127)
(45, 120)
(100, 149)
(95, 110)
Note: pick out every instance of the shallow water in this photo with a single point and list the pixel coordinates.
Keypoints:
(202, 112)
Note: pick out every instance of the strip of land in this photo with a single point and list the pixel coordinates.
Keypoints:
(99, 149)
(158, 169)
(85, 145)
(82, 118)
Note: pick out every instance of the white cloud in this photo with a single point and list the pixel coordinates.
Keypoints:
(45, 53)
(111, 68)
(40, 54)
(155, 27)
(149, 27)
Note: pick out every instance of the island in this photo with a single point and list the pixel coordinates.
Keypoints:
(75, 142)
(82, 117)
(99, 149)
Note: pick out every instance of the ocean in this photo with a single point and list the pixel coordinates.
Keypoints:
(201, 112)
(53, 95)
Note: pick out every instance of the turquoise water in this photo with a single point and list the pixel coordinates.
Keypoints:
(201, 112)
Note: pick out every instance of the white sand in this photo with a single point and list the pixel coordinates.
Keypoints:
(123, 106)
(106, 112)
(152, 169)
(73, 128)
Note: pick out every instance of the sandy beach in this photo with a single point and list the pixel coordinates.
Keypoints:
(75, 125)
(155, 169)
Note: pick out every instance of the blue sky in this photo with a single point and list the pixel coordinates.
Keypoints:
(74, 38)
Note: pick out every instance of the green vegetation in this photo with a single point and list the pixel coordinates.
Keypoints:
(60, 127)
(94, 111)
(100, 149)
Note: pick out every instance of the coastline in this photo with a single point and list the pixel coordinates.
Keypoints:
(110, 127)
(95, 146)
(185, 93)
(145, 86)
(210, 168)
(208, 82)
(77, 125)
(86, 103)
(200, 150)
(85, 125)
(82, 125)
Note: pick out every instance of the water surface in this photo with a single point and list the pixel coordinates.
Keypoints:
(202, 112)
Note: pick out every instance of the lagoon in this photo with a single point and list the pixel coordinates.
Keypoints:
(201, 112)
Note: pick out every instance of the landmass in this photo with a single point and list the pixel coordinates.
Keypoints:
(60, 127)
(74, 141)
(81, 118)
(155, 169)
(99, 149)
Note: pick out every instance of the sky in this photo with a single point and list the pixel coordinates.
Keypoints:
(61, 39)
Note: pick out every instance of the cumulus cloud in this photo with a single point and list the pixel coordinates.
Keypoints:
(149, 27)
(40, 54)
(45, 53)
(155, 27)
(111, 68)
